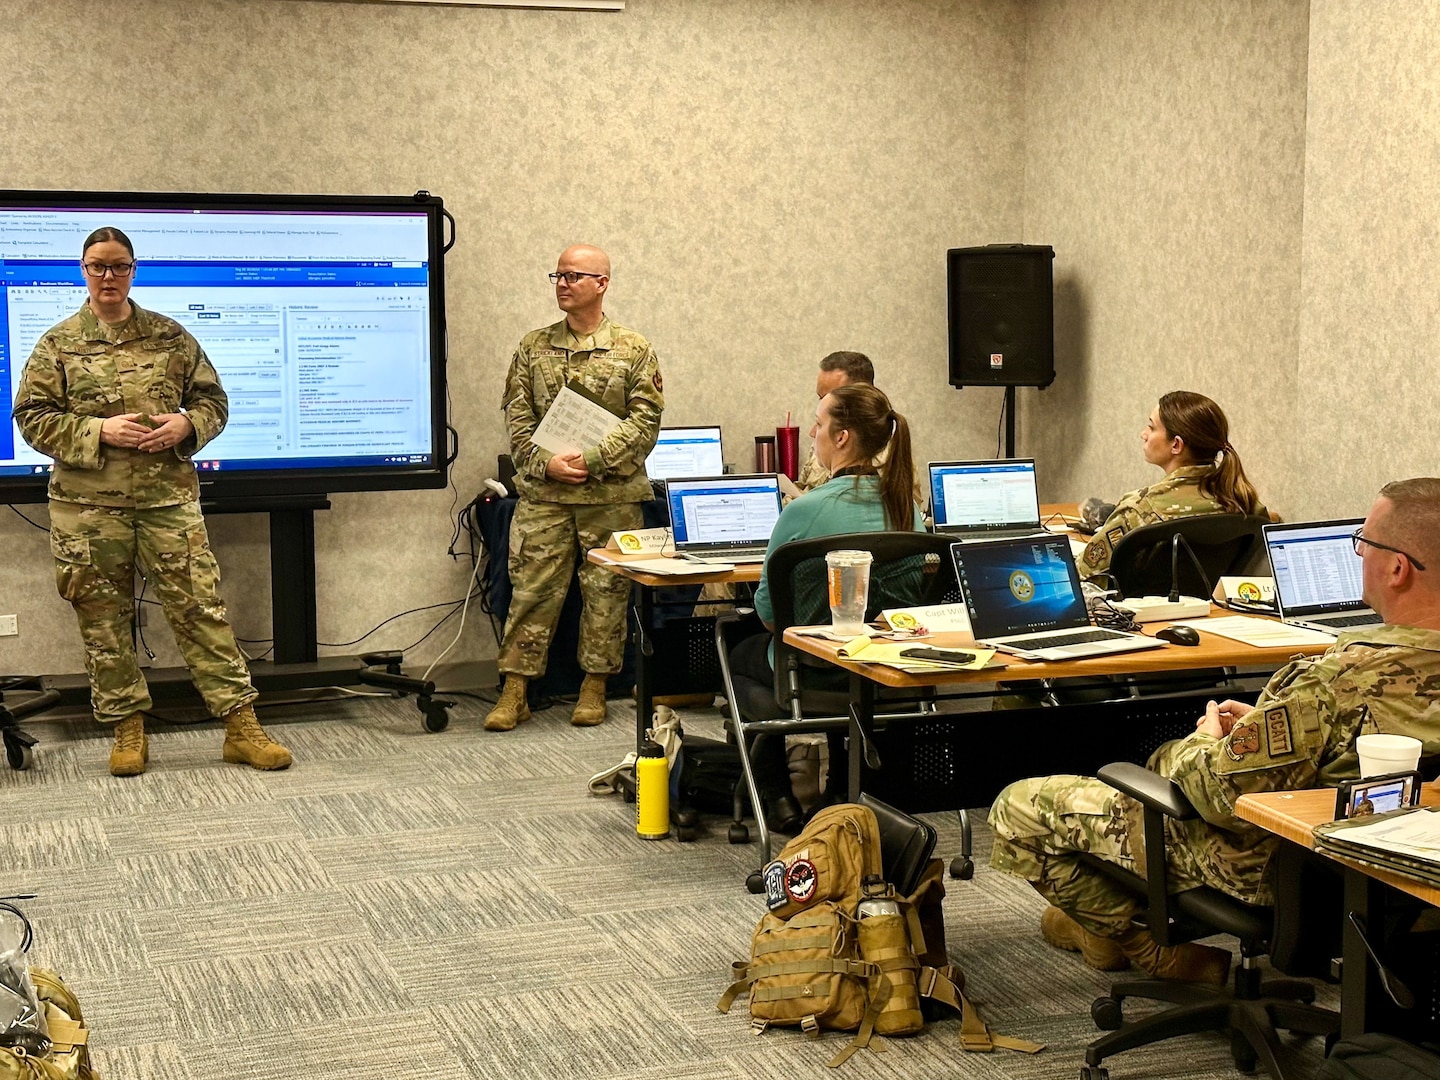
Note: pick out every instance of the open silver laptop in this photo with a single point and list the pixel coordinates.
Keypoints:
(1024, 598)
(725, 519)
(983, 500)
(1318, 576)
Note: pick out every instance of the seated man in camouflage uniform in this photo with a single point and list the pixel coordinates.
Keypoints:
(570, 503)
(1300, 734)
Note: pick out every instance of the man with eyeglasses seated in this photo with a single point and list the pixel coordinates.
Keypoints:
(836, 370)
(1300, 734)
(570, 503)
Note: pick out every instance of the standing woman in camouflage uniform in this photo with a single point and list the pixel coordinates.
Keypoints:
(122, 399)
(1188, 436)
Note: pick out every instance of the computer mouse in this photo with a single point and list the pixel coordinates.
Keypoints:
(1179, 635)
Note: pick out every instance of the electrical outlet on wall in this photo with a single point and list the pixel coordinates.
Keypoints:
(9, 625)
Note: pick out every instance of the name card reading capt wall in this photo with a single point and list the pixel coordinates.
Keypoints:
(929, 619)
(640, 541)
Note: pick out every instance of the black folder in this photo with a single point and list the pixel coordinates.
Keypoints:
(906, 845)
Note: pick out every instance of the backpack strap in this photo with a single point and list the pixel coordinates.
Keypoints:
(879, 994)
(975, 1034)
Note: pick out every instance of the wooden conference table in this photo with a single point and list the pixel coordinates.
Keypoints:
(1212, 652)
(1292, 815)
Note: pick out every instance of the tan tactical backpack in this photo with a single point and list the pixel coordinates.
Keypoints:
(68, 1057)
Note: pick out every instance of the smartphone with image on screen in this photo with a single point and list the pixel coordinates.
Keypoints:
(1377, 794)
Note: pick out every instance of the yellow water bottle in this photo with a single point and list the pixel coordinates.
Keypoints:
(652, 793)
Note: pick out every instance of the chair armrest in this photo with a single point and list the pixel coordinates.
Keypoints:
(1150, 789)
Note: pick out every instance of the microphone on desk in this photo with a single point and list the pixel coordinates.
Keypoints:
(1176, 541)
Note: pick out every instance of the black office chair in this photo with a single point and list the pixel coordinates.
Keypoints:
(1223, 544)
(1299, 933)
(19, 743)
(910, 568)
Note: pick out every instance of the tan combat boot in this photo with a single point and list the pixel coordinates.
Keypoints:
(132, 749)
(512, 708)
(247, 744)
(1101, 953)
(590, 709)
(1187, 962)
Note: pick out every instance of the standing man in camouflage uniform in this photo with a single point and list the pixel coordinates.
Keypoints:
(1300, 734)
(570, 503)
(837, 369)
(122, 399)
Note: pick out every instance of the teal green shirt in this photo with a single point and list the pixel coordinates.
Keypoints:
(846, 504)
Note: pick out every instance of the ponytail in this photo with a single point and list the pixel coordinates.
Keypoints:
(897, 479)
(1201, 425)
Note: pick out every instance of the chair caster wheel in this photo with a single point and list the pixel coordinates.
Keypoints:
(755, 883)
(962, 868)
(19, 756)
(685, 833)
(1107, 1014)
(738, 833)
(1094, 1072)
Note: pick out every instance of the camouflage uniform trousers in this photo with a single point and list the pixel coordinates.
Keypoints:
(1041, 828)
(96, 549)
(545, 540)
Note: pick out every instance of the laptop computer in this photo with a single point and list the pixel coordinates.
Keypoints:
(1024, 598)
(983, 500)
(724, 519)
(1318, 576)
(686, 451)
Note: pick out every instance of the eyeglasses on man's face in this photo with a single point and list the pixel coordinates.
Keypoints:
(100, 269)
(1357, 538)
(570, 277)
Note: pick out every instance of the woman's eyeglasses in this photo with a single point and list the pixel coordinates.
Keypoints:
(99, 269)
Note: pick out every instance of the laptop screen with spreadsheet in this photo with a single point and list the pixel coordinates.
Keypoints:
(977, 497)
(723, 511)
(686, 451)
(1315, 567)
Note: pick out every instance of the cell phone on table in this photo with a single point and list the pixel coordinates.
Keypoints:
(943, 656)
(1377, 794)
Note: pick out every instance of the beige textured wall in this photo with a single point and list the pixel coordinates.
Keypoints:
(1164, 157)
(773, 181)
(1369, 320)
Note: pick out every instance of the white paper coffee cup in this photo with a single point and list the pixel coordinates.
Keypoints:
(1381, 754)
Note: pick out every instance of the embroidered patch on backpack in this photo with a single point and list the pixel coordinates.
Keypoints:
(774, 875)
(801, 880)
(1277, 732)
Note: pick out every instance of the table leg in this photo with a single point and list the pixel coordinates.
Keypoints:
(862, 730)
(644, 609)
(1362, 998)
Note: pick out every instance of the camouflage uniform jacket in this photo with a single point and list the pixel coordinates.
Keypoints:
(83, 371)
(1301, 734)
(1178, 495)
(620, 368)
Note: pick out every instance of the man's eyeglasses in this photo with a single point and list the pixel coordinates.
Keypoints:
(1357, 539)
(570, 277)
(99, 269)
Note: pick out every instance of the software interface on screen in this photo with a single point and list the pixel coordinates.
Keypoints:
(1019, 587)
(691, 451)
(742, 510)
(983, 494)
(1316, 566)
(318, 323)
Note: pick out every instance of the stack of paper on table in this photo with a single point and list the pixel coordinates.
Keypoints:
(1260, 632)
(676, 566)
(1406, 841)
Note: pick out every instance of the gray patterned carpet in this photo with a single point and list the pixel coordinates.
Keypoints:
(454, 905)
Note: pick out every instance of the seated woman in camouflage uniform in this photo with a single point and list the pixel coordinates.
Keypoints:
(1188, 436)
(122, 399)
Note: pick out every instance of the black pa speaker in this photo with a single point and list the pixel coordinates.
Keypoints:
(1002, 318)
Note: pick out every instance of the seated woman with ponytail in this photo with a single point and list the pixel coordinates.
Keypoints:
(1188, 436)
(853, 425)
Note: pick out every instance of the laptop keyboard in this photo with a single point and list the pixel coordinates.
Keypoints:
(1080, 637)
(1369, 618)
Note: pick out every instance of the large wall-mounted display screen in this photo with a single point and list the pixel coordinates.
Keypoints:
(324, 316)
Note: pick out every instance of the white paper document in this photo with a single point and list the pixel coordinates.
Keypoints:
(573, 423)
(1415, 834)
(1262, 633)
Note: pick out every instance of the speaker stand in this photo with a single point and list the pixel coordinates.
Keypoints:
(1009, 421)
